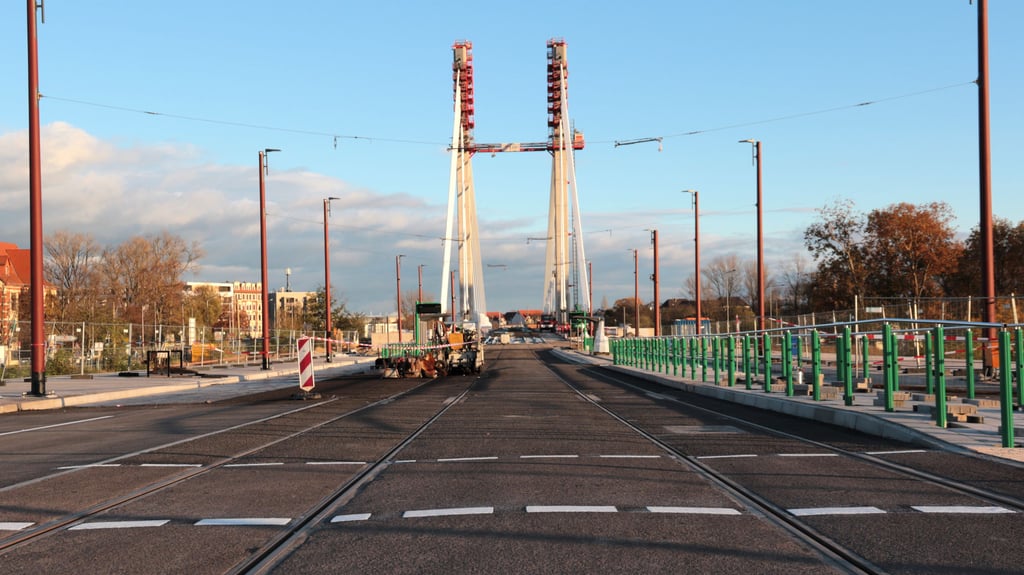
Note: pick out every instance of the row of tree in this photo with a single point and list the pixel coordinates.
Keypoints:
(140, 281)
(903, 252)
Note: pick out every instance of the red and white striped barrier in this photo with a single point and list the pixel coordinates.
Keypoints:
(305, 345)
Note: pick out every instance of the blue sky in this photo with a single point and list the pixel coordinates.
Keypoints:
(227, 79)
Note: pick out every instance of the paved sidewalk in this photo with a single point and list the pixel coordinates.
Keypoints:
(903, 424)
(213, 384)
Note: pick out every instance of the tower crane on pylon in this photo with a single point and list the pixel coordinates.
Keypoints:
(565, 260)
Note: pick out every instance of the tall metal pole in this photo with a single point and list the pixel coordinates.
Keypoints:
(453, 296)
(419, 290)
(760, 235)
(37, 289)
(636, 295)
(696, 254)
(590, 287)
(654, 277)
(327, 279)
(265, 352)
(985, 173)
(398, 291)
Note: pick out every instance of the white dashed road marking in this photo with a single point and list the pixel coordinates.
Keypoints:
(448, 512)
(456, 459)
(90, 465)
(960, 509)
(900, 452)
(808, 455)
(245, 521)
(549, 456)
(119, 524)
(695, 510)
(726, 456)
(171, 465)
(351, 517)
(335, 463)
(571, 509)
(811, 511)
(14, 526)
(630, 456)
(270, 464)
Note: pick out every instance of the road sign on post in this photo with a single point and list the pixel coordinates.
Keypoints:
(306, 364)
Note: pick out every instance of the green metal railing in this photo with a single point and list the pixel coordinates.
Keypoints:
(717, 353)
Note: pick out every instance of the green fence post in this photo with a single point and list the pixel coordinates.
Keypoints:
(767, 358)
(746, 362)
(969, 362)
(888, 342)
(929, 375)
(667, 349)
(1019, 360)
(847, 375)
(940, 378)
(816, 365)
(703, 359)
(787, 361)
(716, 357)
(1005, 389)
(732, 361)
(865, 345)
(693, 357)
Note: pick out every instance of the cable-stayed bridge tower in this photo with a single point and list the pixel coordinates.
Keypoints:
(566, 285)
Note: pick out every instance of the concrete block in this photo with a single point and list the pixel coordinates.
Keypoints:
(986, 403)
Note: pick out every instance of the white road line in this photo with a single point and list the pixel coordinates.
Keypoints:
(807, 512)
(695, 510)
(726, 456)
(404, 461)
(961, 509)
(351, 517)
(55, 425)
(571, 509)
(449, 511)
(14, 526)
(244, 521)
(119, 524)
(451, 459)
(90, 465)
(335, 463)
(630, 456)
(549, 457)
(808, 455)
(171, 465)
(896, 452)
(271, 464)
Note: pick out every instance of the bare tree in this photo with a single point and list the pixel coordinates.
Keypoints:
(71, 265)
(147, 271)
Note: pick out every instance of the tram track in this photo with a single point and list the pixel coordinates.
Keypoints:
(320, 420)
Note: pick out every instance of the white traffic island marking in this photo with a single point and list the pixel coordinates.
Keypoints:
(14, 526)
(245, 521)
(811, 511)
(961, 509)
(448, 512)
(695, 510)
(571, 509)
(119, 524)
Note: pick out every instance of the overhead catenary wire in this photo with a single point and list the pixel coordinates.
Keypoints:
(615, 142)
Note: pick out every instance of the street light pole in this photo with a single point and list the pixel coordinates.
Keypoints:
(398, 290)
(636, 295)
(419, 290)
(654, 278)
(36, 286)
(760, 236)
(988, 277)
(696, 254)
(265, 353)
(327, 279)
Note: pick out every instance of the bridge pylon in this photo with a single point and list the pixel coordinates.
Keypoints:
(566, 284)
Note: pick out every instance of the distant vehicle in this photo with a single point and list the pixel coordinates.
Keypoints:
(547, 323)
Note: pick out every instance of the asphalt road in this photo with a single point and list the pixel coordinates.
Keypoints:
(534, 466)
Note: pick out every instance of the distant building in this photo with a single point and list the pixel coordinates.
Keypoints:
(287, 308)
(15, 284)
